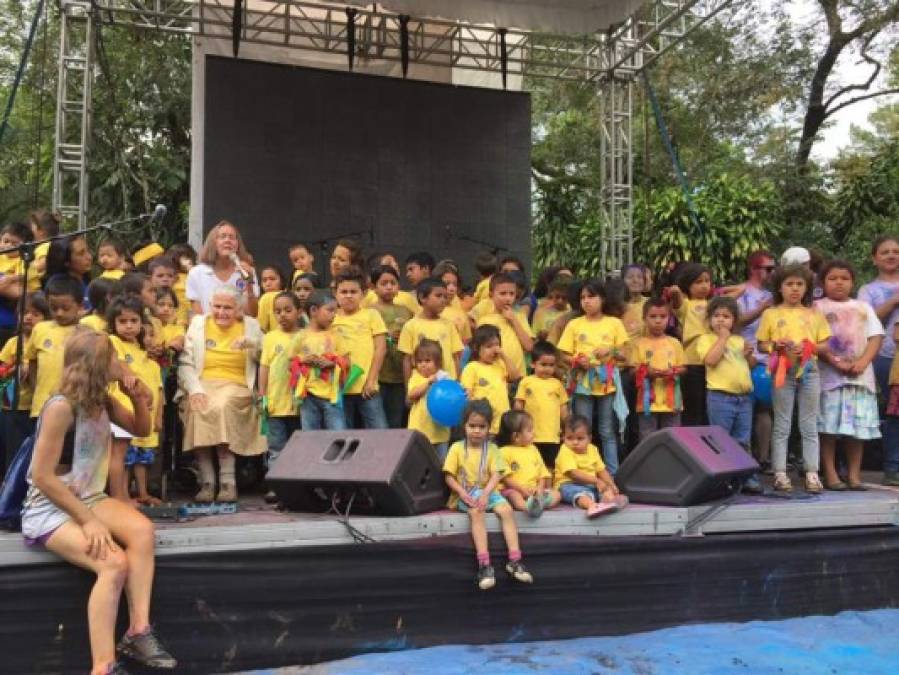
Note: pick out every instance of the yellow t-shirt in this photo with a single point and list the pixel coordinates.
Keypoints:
(180, 288)
(94, 321)
(633, 318)
(661, 353)
(8, 356)
(509, 339)
(524, 464)
(692, 317)
(16, 266)
(265, 311)
(489, 381)
(276, 348)
(793, 323)
(568, 460)
(543, 400)
(403, 299)
(731, 374)
(441, 331)
(309, 343)
(147, 371)
(222, 361)
(419, 417)
(583, 336)
(46, 346)
(171, 331)
(460, 320)
(464, 464)
(544, 318)
(112, 274)
(358, 332)
(482, 290)
(485, 307)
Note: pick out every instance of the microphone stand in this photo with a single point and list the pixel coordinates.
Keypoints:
(491, 246)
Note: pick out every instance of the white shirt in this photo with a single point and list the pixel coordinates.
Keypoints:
(202, 283)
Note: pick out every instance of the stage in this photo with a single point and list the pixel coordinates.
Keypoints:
(261, 588)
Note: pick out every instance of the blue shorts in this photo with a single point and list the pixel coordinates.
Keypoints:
(494, 500)
(139, 456)
(571, 491)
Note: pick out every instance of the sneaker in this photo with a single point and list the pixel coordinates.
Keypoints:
(206, 494)
(228, 492)
(601, 508)
(116, 668)
(534, 506)
(486, 577)
(891, 478)
(813, 483)
(782, 482)
(147, 650)
(753, 486)
(518, 572)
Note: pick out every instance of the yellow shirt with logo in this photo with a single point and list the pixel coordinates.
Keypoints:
(147, 371)
(265, 311)
(170, 332)
(793, 323)
(403, 299)
(94, 321)
(692, 317)
(441, 331)
(633, 318)
(276, 348)
(543, 400)
(309, 343)
(584, 336)
(46, 347)
(464, 464)
(460, 320)
(524, 465)
(8, 356)
(731, 374)
(482, 290)
(544, 318)
(419, 417)
(358, 332)
(509, 338)
(488, 381)
(567, 460)
(661, 353)
(223, 362)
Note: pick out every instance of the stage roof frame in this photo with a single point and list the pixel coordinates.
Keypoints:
(462, 35)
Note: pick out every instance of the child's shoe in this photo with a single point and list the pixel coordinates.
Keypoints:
(486, 577)
(206, 494)
(601, 508)
(782, 482)
(228, 492)
(147, 650)
(518, 572)
(813, 483)
(534, 506)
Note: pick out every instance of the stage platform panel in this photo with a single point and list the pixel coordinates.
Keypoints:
(259, 526)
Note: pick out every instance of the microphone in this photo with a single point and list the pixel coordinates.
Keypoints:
(240, 269)
(158, 213)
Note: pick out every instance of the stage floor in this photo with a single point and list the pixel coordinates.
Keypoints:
(259, 526)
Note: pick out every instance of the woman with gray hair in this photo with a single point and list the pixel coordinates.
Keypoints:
(216, 375)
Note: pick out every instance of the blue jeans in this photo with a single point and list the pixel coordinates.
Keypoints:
(889, 426)
(808, 391)
(731, 412)
(605, 418)
(571, 491)
(370, 410)
(393, 397)
(280, 429)
(317, 413)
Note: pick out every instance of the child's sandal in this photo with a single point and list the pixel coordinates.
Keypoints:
(782, 483)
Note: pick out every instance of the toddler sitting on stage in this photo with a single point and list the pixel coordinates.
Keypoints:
(527, 482)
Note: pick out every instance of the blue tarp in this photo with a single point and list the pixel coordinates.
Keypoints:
(850, 642)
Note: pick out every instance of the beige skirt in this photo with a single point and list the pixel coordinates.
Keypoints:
(230, 418)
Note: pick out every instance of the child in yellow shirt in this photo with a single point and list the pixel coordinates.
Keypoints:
(527, 482)
(580, 475)
(302, 260)
(515, 332)
(488, 374)
(448, 273)
(658, 362)
(111, 256)
(594, 345)
(100, 292)
(428, 359)
(473, 469)
(555, 306)
(485, 264)
(12, 267)
(321, 360)
(274, 375)
(543, 396)
(429, 324)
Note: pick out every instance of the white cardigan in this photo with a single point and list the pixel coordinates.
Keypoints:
(190, 365)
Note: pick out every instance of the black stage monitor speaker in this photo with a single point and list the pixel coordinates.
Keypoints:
(393, 472)
(682, 466)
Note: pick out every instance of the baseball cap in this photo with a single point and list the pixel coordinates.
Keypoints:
(795, 255)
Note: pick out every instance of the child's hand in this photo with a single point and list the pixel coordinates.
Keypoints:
(508, 313)
(582, 361)
(722, 332)
(481, 503)
(241, 343)
(470, 501)
(177, 343)
(748, 351)
(369, 389)
(601, 353)
(855, 368)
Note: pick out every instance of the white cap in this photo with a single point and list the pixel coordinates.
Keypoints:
(795, 255)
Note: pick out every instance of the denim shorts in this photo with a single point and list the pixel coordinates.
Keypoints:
(494, 500)
(571, 491)
(139, 456)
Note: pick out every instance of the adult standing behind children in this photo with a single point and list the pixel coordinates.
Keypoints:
(223, 261)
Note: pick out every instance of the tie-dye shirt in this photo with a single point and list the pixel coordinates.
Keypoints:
(852, 323)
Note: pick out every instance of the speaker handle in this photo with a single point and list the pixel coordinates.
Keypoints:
(712, 443)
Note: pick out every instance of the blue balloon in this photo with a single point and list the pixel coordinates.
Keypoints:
(761, 384)
(446, 401)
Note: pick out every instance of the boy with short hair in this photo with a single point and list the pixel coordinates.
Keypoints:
(319, 352)
(543, 396)
(365, 338)
(46, 346)
(418, 267)
(515, 333)
(163, 273)
(429, 324)
(11, 265)
(302, 259)
(485, 264)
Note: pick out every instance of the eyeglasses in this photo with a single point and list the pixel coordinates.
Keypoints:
(767, 268)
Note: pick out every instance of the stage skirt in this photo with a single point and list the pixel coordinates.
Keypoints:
(231, 417)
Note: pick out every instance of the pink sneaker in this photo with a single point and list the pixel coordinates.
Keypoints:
(601, 508)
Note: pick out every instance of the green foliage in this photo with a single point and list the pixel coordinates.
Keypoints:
(734, 217)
